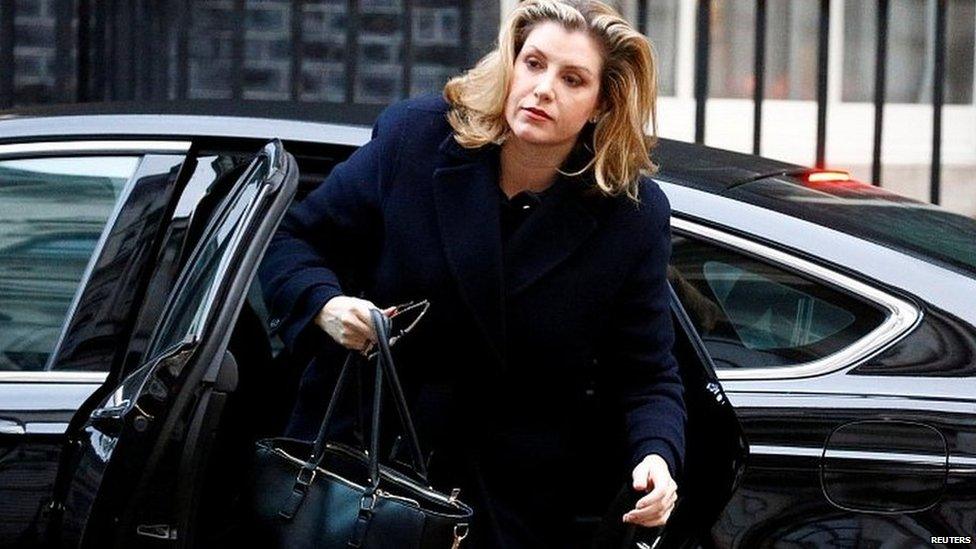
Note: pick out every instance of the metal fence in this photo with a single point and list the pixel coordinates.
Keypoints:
(150, 50)
(703, 33)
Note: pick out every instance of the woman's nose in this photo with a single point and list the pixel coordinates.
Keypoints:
(543, 87)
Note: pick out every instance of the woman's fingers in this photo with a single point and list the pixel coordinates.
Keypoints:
(358, 333)
(361, 310)
(655, 507)
(347, 320)
(653, 515)
(658, 496)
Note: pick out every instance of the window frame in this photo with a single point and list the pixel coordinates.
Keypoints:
(901, 315)
(67, 148)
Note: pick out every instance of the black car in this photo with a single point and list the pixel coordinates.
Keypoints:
(826, 335)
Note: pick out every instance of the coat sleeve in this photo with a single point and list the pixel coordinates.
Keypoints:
(327, 235)
(637, 347)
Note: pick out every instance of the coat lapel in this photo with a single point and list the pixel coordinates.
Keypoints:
(465, 190)
(466, 199)
(547, 237)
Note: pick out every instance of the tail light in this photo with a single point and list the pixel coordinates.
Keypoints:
(826, 176)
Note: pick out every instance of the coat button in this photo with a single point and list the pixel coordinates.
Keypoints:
(274, 323)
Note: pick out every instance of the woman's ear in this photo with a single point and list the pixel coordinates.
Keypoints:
(595, 116)
(598, 111)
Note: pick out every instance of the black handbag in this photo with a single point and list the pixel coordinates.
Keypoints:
(331, 495)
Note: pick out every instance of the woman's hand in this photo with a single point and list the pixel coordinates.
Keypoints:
(654, 508)
(347, 321)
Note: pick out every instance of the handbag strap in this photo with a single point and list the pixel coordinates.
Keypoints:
(384, 364)
(399, 399)
(306, 475)
(374, 433)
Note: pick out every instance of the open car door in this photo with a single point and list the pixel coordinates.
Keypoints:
(715, 446)
(126, 477)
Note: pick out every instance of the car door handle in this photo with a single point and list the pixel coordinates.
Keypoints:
(110, 418)
(12, 427)
(115, 412)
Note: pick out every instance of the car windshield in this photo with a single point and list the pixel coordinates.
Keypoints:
(918, 228)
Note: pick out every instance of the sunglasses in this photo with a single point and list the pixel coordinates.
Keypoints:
(403, 319)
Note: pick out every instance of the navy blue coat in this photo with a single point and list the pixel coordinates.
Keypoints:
(497, 370)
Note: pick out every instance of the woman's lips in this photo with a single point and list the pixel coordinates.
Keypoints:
(536, 114)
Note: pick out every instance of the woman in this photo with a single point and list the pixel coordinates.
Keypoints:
(518, 205)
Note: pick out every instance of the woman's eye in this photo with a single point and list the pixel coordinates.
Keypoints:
(573, 81)
(533, 63)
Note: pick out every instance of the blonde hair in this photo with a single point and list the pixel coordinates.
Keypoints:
(628, 91)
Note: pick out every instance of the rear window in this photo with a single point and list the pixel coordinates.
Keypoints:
(917, 228)
(754, 314)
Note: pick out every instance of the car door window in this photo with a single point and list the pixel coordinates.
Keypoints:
(194, 298)
(52, 214)
(753, 314)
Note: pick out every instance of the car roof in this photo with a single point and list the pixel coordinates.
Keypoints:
(706, 167)
(919, 229)
(65, 124)
(691, 163)
(330, 113)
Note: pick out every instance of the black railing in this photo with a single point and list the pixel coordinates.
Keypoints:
(880, 70)
(703, 35)
(352, 46)
(8, 13)
(759, 68)
(141, 50)
(823, 43)
(702, 52)
(938, 92)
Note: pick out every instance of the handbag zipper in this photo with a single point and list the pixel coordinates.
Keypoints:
(330, 474)
(419, 487)
(383, 493)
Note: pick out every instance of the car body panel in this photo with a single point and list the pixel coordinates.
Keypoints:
(924, 378)
(789, 457)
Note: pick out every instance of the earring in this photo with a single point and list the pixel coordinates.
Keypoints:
(594, 119)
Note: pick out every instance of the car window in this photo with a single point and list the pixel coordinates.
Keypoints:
(52, 214)
(189, 310)
(754, 314)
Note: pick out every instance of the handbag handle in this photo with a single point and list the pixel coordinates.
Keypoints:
(384, 364)
(398, 395)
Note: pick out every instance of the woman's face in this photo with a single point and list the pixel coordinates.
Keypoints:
(556, 74)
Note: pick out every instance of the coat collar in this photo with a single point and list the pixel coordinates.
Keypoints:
(466, 199)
